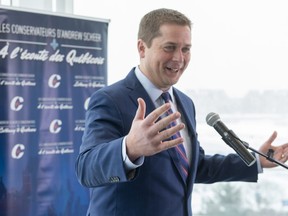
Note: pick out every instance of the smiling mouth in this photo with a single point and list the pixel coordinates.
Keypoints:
(173, 69)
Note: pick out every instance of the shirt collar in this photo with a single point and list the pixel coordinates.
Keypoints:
(150, 88)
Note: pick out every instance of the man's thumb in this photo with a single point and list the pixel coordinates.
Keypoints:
(140, 113)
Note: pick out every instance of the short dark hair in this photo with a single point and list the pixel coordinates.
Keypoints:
(151, 22)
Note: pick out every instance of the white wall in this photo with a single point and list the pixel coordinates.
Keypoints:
(61, 6)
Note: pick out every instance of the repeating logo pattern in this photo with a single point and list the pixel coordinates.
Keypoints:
(47, 73)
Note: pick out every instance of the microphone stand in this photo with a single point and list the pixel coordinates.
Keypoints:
(269, 155)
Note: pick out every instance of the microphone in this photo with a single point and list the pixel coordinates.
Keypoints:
(230, 138)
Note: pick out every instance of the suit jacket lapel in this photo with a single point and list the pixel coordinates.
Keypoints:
(182, 105)
(137, 90)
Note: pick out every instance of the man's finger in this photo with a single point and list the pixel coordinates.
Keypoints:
(166, 121)
(171, 143)
(155, 115)
(169, 132)
(140, 113)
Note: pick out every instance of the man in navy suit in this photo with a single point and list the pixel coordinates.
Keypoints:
(126, 157)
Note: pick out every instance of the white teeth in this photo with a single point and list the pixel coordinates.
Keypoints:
(173, 69)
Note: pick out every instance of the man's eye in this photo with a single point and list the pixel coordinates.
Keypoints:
(186, 50)
(169, 48)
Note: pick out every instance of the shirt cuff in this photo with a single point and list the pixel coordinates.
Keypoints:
(129, 165)
(259, 167)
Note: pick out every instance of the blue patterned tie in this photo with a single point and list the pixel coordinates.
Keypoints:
(179, 148)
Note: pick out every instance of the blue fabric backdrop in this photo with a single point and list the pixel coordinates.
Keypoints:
(49, 66)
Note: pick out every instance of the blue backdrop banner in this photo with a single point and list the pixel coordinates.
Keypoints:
(49, 66)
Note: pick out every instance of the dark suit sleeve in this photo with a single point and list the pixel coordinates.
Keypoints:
(100, 160)
(216, 168)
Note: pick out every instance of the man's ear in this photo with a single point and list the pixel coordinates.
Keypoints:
(141, 46)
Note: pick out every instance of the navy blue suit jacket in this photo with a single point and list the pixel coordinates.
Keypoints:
(156, 187)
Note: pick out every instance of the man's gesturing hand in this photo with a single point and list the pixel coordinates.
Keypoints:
(146, 136)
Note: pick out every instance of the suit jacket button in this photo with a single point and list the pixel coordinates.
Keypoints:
(114, 179)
